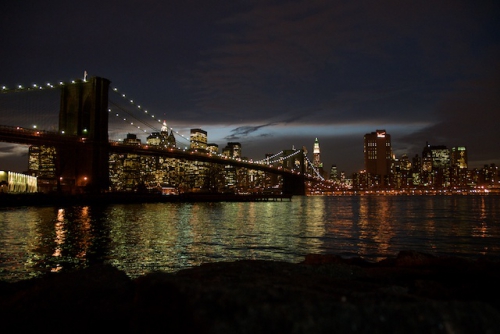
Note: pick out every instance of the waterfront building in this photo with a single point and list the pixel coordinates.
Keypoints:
(42, 161)
(378, 157)
(490, 176)
(168, 139)
(16, 183)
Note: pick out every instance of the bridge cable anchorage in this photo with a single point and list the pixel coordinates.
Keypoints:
(315, 170)
(145, 111)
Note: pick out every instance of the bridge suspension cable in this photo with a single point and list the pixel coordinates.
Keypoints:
(30, 107)
(144, 112)
(315, 170)
(269, 161)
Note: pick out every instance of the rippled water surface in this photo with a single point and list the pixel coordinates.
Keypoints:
(140, 238)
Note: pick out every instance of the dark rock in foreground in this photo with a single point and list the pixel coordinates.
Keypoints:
(413, 293)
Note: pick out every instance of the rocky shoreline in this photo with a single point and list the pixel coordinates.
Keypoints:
(411, 293)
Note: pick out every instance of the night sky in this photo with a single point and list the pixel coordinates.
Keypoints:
(273, 75)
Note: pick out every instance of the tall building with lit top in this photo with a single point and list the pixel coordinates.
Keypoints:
(317, 155)
(378, 155)
(169, 138)
(162, 138)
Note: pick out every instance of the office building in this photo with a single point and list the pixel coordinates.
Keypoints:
(459, 157)
(334, 173)
(378, 156)
(317, 155)
(198, 139)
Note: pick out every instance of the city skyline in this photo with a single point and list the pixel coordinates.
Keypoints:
(272, 75)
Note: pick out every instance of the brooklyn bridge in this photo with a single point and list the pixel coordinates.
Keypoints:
(71, 152)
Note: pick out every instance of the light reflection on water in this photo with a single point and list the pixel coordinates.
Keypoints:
(141, 238)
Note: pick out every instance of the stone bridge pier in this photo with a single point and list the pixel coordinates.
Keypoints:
(83, 165)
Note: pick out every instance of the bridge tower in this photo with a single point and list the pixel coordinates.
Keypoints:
(84, 113)
(295, 184)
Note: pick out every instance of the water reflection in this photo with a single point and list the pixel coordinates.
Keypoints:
(141, 238)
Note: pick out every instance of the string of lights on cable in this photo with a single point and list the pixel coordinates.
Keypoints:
(269, 161)
(314, 169)
(145, 112)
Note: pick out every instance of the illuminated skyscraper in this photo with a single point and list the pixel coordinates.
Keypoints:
(378, 155)
(317, 155)
(436, 165)
(435, 157)
(198, 139)
(42, 161)
(168, 139)
(334, 173)
(459, 157)
(162, 138)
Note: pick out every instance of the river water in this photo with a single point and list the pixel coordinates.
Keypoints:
(142, 238)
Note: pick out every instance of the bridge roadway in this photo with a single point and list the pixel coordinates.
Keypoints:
(19, 135)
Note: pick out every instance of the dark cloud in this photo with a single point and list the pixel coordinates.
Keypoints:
(245, 131)
(469, 116)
